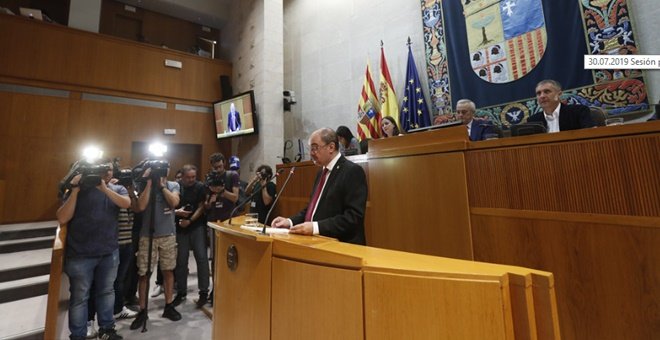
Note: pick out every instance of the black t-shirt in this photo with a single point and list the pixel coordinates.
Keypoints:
(259, 205)
(192, 196)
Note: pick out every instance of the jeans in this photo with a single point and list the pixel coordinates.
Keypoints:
(126, 261)
(82, 271)
(195, 239)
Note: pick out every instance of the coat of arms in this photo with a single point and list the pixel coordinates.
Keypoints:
(506, 38)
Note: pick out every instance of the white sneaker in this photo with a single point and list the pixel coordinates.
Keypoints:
(158, 289)
(125, 314)
(91, 331)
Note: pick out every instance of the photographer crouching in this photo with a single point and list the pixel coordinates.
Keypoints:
(91, 206)
(157, 201)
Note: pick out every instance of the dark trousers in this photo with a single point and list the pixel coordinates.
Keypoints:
(126, 262)
(195, 240)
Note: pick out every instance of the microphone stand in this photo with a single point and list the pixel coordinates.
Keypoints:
(263, 231)
(253, 195)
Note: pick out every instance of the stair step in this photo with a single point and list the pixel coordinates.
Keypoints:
(12, 246)
(27, 230)
(30, 323)
(25, 258)
(23, 288)
(24, 272)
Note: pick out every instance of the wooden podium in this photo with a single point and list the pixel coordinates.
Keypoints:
(311, 287)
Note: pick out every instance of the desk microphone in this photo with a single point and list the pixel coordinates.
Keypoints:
(277, 198)
(242, 204)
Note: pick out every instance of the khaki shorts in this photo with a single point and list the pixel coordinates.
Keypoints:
(163, 247)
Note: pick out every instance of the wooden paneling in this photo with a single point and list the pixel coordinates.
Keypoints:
(58, 287)
(607, 277)
(64, 56)
(617, 175)
(46, 134)
(315, 302)
(242, 308)
(425, 197)
(437, 308)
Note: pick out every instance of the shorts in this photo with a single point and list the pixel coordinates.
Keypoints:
(164, 248)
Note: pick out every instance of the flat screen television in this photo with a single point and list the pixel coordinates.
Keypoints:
(235, 116)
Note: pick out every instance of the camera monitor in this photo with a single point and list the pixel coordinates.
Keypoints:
(235, 116)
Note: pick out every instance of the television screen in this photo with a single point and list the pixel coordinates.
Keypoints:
(235, 116)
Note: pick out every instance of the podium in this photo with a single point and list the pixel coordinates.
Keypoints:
(284, 286)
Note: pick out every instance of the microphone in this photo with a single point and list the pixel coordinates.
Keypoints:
(293, 169)
(254, 194)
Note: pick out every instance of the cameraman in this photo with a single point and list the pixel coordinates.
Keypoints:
(190, 234)
(261, 182)
(223, 189)
(163, 238)
(92, 250)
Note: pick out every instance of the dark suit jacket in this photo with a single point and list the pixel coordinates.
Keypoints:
(571, 117)
(340, 211)
(480, 128)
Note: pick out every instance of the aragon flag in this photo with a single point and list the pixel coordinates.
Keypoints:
(414, 112)
(368, 114)
(388, 102)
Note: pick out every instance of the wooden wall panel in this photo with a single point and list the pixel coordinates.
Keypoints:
(45, 135)
(64, 56)
(607, 276)
(419, 204)
(617, 175)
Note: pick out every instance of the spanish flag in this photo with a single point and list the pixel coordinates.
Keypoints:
(368, 114)
(388, 102)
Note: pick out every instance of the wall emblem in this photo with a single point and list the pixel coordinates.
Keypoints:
(506, 38)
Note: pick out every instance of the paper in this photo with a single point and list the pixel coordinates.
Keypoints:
(268, 230)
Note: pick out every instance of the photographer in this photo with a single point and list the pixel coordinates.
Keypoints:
(261, 182)
(166, 198)
(190, 234)
(90, 208)
(223, 189)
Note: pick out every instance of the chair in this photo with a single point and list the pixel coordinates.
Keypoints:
(598, 115)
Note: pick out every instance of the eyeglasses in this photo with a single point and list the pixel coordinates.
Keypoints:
(316, 147)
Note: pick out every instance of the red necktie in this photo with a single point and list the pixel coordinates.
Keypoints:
(317, 194)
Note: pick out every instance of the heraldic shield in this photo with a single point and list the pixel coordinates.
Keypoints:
(506, 38)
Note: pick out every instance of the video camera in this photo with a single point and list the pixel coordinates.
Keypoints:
(159, 168)
(214, 179)
(124, 176)
(92, 175)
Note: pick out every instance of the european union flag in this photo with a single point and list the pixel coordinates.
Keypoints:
(414, 112)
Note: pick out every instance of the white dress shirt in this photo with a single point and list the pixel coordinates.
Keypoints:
(552, 119)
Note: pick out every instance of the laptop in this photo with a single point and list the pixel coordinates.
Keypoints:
(31, 13)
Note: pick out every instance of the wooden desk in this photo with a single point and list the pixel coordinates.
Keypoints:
(582, 204)
(297, 287)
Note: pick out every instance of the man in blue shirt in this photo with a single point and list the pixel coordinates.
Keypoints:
(92, 250)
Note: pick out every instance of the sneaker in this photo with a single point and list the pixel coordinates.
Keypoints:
(178, 299)
(109, 334)
(125, 314)
(158, 289)
(203, 299)
(171, 313)
(140, 319)
(91, 331)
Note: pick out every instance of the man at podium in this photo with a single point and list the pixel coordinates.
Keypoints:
(337, 204)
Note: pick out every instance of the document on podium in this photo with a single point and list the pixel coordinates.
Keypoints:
(268, 230)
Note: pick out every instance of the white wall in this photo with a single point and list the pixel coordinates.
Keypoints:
(326, 47)
(85, 15)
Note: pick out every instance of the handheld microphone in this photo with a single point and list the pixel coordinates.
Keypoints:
(242, 204)
(293, 169)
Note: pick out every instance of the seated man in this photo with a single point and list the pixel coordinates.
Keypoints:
(555, 116)
(477, 129)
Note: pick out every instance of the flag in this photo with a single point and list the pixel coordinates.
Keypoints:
(369, 117)
(388, 103)
(414, 112)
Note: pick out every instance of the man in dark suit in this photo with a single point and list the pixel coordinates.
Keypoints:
(477, 129)
(337, 205)
(555, 116)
